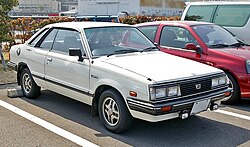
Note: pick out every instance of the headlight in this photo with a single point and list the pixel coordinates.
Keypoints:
(219, 81)
(248, 66)
(156, 93)
(174, 91)
(222, 80)
(164, 92)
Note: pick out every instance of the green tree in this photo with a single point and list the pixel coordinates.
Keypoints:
(5, 7)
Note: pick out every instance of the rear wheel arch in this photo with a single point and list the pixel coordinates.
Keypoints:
(20, 68)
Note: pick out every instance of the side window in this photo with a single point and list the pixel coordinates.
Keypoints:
(48, 40)
(200, 13)
(149, 31)
(37, 38)
(66, 39)
(176, 37)
(232, 15)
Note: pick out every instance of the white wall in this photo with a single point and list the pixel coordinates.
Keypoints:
(107, 7)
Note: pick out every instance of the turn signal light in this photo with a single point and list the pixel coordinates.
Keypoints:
(166, 108)
(132, 93)
(228, 93)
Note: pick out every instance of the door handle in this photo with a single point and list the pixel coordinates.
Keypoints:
(49, 59)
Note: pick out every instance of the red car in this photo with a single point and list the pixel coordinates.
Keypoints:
(207, 43)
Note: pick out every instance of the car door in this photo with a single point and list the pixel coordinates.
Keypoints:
(173, 40)
(63, 73)
(36, 51)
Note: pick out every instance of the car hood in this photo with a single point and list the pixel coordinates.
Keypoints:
(243, 52)
(160, 66)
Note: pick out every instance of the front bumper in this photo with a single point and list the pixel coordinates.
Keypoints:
(157, 112)
(12, 65)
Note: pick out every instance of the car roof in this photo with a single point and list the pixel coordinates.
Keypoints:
(83, 25)
(96, 16)
(218, 3)
(189, 23)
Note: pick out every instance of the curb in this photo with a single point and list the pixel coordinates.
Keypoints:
(14, 92)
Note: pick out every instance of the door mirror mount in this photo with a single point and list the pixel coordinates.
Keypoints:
(193, 47)
(76, 52)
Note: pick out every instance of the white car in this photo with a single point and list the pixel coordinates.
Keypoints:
(118, 71)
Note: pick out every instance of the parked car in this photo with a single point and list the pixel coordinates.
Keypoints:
(97, 18)
(206, 43)
(118, 71)
(234, 16)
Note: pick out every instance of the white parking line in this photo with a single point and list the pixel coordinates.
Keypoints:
(233, 114)
(59, 131)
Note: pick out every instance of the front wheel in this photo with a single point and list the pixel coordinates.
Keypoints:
(235, 95)
(113, 112)
(28, 85)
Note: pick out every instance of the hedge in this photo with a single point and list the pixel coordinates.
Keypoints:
(23, 28)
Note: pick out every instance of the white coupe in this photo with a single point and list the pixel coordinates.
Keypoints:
(118, 71)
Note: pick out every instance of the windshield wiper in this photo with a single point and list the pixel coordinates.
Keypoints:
(239, 44)
(125, 51)
(152, 48)
(219, 45)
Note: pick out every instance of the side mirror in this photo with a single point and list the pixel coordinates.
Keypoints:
(191, 46)
(76, 52)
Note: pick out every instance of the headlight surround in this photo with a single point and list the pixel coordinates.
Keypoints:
(164, 92)
(248, 66)
(219, 81)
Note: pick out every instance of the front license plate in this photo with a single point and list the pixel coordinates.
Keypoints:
(200, 106)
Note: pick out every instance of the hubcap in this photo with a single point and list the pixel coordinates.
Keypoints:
(26, 83)
(110, 111)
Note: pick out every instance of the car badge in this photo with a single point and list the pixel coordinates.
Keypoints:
(18, 51)
(198, 86)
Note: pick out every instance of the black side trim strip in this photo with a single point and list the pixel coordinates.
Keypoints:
(63, 85)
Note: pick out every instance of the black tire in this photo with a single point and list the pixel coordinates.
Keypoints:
(235, 95)
(119, 119)
(28, 85)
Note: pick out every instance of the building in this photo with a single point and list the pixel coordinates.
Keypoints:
(133, 7)
(67, 5)
(36, 7)
(213, 0)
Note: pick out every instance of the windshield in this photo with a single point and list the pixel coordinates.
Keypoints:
(215, 36)
(108, 41)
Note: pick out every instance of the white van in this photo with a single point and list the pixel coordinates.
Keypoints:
(234, 16)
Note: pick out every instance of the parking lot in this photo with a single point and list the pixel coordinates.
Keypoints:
(55, 120)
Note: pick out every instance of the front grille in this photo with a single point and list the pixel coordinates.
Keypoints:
(195, 86)
(190, 87)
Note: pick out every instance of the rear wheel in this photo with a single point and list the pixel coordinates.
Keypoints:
(235, 95)
(28, 85)
(113, 112)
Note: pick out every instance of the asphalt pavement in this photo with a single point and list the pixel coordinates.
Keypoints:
(66, 122)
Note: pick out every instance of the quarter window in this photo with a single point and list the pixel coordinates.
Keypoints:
(36, 39)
